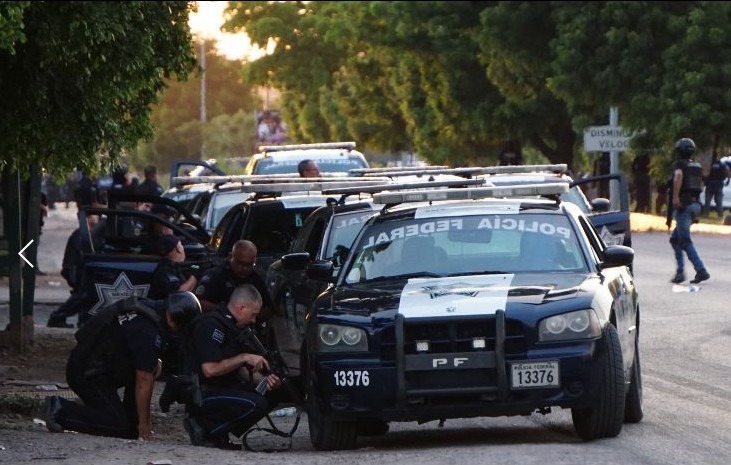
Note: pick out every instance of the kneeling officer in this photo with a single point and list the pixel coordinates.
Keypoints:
(119, 347)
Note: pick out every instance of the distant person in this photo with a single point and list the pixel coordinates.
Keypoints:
(86, 193)
(308, 169)
(115, 352)
(687, 179)
(641, 183)
(511, 154)
(150, 186)
(72, 272)
(714, 182)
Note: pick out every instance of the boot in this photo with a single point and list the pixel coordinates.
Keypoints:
(57, 321)
(701, 275)
(679, 277)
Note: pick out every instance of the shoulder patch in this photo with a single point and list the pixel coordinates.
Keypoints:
(217, 336)
(200, 290)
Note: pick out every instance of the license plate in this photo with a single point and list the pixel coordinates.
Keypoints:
(535, 374)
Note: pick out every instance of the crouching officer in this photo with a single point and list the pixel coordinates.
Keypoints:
(119, 347)
(235, 381)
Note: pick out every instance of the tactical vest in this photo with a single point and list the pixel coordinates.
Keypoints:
(99, 351)
(692, 181)
(715, 175)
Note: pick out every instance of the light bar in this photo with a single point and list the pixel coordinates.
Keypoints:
(370, 189)
(260, 179)
(471, 171)
(306, 186)
(525, 190)
(322, 145)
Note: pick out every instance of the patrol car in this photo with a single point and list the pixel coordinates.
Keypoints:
(333, 158)
(454, 305)
(327, 234)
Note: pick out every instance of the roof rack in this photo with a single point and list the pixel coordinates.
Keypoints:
(524, 190)
(308, 187)
(322, 145)
(365, 188)
(389, 169)
(268, 178)
(469, 171)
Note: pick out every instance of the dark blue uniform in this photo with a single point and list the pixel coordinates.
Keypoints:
(138, 341)
(166, 279)
(218, 283)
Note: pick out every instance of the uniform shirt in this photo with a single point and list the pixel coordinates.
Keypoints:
(149, 187)
(212, 341)
(218, 283)
(166, 279)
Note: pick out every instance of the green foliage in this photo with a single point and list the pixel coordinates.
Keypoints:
(83, 81)
(11, 24)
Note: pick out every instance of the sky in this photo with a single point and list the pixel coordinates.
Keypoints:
(207, 24)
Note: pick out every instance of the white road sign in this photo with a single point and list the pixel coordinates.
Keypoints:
(606, 139)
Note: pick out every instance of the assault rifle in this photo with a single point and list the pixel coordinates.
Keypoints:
(277, 366)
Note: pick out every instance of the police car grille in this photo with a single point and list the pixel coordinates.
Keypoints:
(447, 337)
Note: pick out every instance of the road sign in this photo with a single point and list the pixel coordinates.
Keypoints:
(606, 139)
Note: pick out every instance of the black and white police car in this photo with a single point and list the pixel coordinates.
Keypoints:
(462, 306)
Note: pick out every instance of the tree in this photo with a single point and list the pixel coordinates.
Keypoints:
(84, 78)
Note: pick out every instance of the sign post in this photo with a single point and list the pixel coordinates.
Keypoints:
(612, 139)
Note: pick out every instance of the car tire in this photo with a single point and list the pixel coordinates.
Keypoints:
(633, 412)
(326, 434)
(604, 419)
(372, 427)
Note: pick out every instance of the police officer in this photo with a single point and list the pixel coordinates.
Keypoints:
(169, 276)
(122, 353)
(217, 284)
(686, 184)
(714, 186)
(229, 372)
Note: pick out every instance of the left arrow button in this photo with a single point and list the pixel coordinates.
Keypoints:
(23, 250)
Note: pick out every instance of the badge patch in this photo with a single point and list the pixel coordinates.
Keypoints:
(120, 289)
(217, 336)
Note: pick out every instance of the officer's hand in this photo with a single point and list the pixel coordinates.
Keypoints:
(257, 362)
(273, 382)
(145, 431)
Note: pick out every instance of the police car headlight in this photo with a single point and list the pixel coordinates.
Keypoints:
(581, 324)
(336, 338)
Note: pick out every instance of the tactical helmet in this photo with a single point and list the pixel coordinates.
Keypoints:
(183, 307)
(684, 148)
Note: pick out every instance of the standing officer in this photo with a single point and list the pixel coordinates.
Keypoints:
(229, 372)
(116, 348)
(217, 284)
(150, 186)
(686, 188)
(714, 186)
(308, 169)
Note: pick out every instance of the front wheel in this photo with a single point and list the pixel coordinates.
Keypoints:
(604, 419)
(326, 434)
(633, 412)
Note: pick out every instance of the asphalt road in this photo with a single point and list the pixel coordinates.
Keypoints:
(685, 339)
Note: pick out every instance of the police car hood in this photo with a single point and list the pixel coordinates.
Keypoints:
(464, 295)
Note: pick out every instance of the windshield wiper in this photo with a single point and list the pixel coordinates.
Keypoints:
(472, 273)
(418, 274)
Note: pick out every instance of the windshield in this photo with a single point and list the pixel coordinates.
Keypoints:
(336, 165)
(463, 245)
(344, 229)
(222, 203)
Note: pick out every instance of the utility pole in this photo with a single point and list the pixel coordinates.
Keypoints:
(203, 117)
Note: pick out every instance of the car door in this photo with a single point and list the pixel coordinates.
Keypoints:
(613, 224)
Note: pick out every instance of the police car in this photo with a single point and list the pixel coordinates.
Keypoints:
(333, 158)
(482, 301)
(326, 234)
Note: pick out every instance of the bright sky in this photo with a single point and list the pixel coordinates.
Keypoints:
(207, 24)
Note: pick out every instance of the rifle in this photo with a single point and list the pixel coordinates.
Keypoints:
(277, 366)
(669, 204)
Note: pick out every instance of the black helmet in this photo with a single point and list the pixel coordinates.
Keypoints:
(684, 148)
(183, 307)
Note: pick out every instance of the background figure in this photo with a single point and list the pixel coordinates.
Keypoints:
(169, 277)
(717, 175)
(308, 169)
(72, 271)
(150, 186)
(511, 154)
(602, 166)
(641, 183)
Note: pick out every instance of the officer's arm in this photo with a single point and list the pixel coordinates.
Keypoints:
(144, 384)
(227, 365)
(677, 182)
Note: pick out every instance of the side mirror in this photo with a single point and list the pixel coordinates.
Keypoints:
(618, 255)
(600, 204)
(295, 261)
(320, 270)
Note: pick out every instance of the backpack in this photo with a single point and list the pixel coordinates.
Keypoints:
(99, 351)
